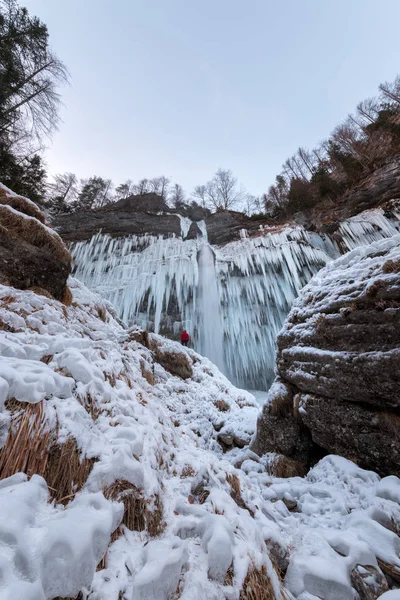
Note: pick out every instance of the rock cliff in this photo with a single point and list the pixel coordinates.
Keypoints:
(338, 365)
(32, 256)
(148, 214)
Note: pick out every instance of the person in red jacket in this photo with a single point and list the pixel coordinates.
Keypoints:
(185, 337)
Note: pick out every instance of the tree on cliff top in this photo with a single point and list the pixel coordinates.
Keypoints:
(29, 75)
(221, 192)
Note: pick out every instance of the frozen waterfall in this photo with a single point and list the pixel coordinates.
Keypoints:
(209, 331)
(232, 299)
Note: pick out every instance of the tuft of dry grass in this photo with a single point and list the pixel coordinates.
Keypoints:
(66, 298)
(66, 471)
(222, 405)
(19, 203)
(146, 373)
(391, 266)
(102, 312)
(236, 493)
(140, 514)
(281, 405)
(391, 570)
(257, 585)
(40, 292)
(89, 403)
(32, 448)
(373, 290)
(33, 232)
(188, 471)
(25, 448)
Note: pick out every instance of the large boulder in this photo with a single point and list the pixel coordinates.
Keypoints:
(338, 365)
(32, 256)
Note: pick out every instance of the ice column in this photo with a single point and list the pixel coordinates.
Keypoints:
(209, 326)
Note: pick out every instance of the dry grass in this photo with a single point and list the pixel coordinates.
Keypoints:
(236, 493)
(257, 585)
(19, 203)
(33, 232)
(141, 336)
(66, 472)
(27, 441)
(222, 405)
(373, 290)
(89, 403)
(32, 448)
(390, 570)
(40, 292)
(140, 514)
(188, 471)
(66, 298)
(146, 373)
(391, 266)
(102, 312)
(281, 405)
(285, 467)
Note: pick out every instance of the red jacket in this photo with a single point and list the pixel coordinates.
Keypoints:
(185, 336)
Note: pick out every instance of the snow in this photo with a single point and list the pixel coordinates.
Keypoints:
(12, 194)
(160, 434)
(155, 282)
(46, 550)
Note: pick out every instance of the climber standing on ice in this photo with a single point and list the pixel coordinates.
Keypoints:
(185, 337)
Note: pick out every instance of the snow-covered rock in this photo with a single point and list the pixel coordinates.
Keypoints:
(339, 357)
(31, 254)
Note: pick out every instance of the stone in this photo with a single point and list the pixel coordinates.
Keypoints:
(369, 582)
(225, 438)
(32, 256)
(338, 355)
(279, 555)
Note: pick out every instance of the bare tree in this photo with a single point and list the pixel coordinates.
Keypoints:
(124, 190)
(223, 192)
(250, 204)
(177, 196)
(368, 110)
(391, 90)
(200, 193)
(308, 160)
(141, 187)
(64, 187)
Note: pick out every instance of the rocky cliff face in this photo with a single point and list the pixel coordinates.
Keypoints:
(338, 365)
(148, 214)
(378, 189)
(32, 256)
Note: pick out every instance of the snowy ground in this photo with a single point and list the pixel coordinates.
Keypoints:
(220, 514)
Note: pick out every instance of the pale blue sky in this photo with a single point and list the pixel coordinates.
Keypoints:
(182, 87)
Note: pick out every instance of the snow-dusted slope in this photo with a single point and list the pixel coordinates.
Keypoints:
(198, 523)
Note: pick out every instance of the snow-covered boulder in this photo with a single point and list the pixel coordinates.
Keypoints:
(338, 364)
(31, 254)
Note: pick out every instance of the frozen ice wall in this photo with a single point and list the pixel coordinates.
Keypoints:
(166, 284)
(209, 331)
